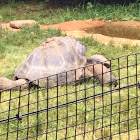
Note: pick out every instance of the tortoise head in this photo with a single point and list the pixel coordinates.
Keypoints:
(98, 59)
(97, 68)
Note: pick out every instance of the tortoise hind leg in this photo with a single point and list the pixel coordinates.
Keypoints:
(6, 83)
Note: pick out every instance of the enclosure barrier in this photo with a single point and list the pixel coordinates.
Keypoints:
(86, 110)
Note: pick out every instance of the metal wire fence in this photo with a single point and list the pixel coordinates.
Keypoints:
(88, 110)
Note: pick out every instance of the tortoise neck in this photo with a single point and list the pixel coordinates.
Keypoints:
(87, 72)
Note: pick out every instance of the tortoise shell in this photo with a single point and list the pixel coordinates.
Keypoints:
(54, 56)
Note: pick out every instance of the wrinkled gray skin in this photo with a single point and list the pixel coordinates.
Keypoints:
(54, 56)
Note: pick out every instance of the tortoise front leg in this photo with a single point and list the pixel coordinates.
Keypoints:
(6, 83)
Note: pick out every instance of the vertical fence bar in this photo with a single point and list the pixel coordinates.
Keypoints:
(28, 110)
(76, 105)
(18, 112)
(137, 99)
(66, 107)
(8, 115)
(37, 117)
(85, 103)
(102, 129)
(93, 135)
(0, 96)
(57, 109)
(119, 99)
(111, 100)
(47, 114)
(128, 95)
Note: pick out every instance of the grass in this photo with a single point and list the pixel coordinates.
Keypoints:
(44, 13)
(20, 42)
(16, 46)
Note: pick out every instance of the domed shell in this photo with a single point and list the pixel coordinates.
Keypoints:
(55, 55)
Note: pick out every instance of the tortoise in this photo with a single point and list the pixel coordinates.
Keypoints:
(54, 61)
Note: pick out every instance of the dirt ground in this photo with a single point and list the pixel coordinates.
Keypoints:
(78, 29)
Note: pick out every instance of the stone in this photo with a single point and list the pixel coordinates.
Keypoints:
(18, 24)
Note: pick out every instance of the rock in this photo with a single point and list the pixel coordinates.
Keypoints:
(22, 23)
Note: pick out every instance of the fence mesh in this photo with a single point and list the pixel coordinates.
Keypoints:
(88, 110)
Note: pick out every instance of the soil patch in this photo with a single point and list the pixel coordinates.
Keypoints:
(75, 25)
(118, 29)
(117, 33)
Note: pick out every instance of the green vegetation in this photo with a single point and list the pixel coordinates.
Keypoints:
(16, 46)
(47, 15)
